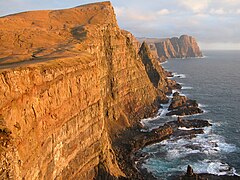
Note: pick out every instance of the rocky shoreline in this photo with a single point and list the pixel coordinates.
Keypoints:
(73, 89)
(128, 144)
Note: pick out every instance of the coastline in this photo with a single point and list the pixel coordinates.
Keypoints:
(75, 89)
(129, 142)
(131, 158)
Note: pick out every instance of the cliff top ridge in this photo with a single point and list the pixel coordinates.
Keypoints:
(157, 40)
(50, 33)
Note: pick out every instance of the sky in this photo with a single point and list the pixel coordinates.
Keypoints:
(214, 23)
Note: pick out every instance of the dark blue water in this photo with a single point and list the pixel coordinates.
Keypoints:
(214, 81)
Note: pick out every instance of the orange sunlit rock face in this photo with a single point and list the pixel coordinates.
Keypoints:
(70, 80)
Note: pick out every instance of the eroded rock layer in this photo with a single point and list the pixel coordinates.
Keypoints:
(70, 81)
(157, 75)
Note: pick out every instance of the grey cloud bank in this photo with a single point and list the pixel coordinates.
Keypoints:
(215, 23)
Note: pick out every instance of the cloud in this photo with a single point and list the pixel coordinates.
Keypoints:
(222, 12)
(195, 6)
(210, 21)
(119, 11)
(219, 46)
(163, 12)
(133, 14)
(219, 11)
(233, 2)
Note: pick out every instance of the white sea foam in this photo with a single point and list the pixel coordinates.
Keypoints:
(192, 115)
(164, 112)
(165, 62)
(173, 91)
(212, 167)
(228, 148)
(185, 129)
(181, 76)
(146, 123)
(186, 87)
(205, 111)
(202, 105)
(218, 168)
(173, 154)
(207, 130)
(208, 144)
(213, 142)
(203, 57)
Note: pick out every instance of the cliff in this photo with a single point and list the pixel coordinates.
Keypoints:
(70, 82)
(182, 47)
(157, 75)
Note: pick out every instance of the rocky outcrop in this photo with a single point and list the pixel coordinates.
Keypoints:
(182, 47)
(70, 82)
(181, 106)
(134, 139)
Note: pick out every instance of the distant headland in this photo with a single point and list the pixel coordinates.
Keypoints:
(183, 47)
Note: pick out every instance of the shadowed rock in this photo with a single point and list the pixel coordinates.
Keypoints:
(157, 75)
(189, 171)
(181, 106)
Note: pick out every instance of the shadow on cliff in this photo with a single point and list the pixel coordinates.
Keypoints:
(79, 33)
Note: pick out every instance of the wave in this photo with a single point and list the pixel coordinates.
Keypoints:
(165, 62)
(181, 76)
(186, 87)
(203, 57)
(148, 126)
(215, 167)
(194, 115)
(205, 153)
(185, 129)
(191, 115)
(173, 91)
(202, 105)
(154, 122)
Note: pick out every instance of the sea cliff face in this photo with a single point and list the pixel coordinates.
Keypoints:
(157, 75)
(182, 47)
(70, 82)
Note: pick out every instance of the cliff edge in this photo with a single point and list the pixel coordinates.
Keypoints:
(183, 47)
(70, 82)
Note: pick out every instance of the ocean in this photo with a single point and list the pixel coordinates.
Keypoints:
(214, 81)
